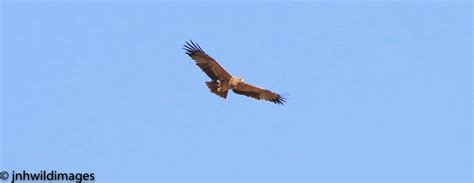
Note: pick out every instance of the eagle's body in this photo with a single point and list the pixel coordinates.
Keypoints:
(222, 81)
(221, 88)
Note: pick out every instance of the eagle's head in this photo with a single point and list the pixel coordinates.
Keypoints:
(236, 80)
(240, 79)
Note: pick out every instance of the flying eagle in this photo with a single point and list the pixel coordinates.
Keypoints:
(222, 81)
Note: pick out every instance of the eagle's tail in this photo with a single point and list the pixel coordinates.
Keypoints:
(213, 86)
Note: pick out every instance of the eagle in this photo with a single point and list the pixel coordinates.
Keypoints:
(223, 81)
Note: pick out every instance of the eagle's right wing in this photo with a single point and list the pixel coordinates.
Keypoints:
(258, 93)
(206, 63)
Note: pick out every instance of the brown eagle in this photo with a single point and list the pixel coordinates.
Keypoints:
(222, 81)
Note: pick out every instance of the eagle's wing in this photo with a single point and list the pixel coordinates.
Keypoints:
(206, 63)
(258, 93)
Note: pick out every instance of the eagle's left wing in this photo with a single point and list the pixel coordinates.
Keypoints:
(207, 64)
(258, 93)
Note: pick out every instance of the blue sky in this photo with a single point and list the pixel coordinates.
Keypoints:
(378, 90)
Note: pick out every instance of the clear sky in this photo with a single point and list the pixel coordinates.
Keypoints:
(378, 90)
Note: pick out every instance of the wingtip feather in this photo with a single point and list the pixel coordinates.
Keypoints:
(192, 47)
